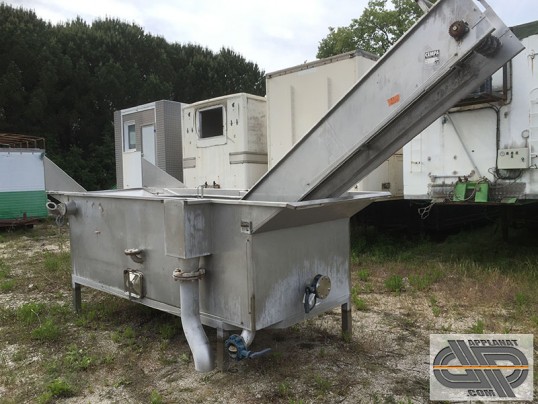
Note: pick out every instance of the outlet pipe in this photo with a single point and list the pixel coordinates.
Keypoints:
(248, 337)
(61, 209)
(189, 290)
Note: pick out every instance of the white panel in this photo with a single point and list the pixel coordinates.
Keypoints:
(297, 100)
(22, 171)
(235, 161)
(534, 122)
(513, 158)
(148, 143)
(132, 169)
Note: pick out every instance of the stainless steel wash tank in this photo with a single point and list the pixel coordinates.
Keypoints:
(280, 253)
(258, 256)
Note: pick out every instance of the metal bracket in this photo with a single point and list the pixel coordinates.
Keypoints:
(136, 254)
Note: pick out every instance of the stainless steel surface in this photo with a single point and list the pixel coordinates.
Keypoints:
(155, 177)
(417, 80)
(253, 280)
(57, 179)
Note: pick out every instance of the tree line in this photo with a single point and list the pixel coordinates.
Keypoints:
(379, 26)
(63, 82)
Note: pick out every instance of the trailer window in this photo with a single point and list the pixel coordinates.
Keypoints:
(129, 137)
(211, 122)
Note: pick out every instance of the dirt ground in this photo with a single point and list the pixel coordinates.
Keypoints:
(120, 352)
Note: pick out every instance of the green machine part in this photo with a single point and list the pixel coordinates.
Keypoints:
(471, 190)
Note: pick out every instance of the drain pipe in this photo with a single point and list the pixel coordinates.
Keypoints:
(248, 337)
(189, 292)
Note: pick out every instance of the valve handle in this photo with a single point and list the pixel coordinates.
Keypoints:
(310, 299)
(237, 349)
(263, 352)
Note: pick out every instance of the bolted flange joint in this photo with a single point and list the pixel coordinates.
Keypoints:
(179, 275)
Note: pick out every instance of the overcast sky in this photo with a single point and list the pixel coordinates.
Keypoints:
(274, 34)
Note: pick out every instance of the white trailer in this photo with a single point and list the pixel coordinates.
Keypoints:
(225, 142)
(26, 174)
(298, 97)
(22, 185)
(485, 149)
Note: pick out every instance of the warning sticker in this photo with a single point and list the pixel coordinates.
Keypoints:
(432, 57)
(394, 99)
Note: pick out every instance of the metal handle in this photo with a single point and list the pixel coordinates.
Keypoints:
(136, 254)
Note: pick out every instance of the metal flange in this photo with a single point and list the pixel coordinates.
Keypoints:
(179, 275)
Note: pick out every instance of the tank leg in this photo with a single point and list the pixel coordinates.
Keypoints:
(77, 297)
(347, 325)
(222, 357)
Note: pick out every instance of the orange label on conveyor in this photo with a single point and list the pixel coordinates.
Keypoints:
(394, 99)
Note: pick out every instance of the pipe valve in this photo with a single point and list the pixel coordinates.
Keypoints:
(237, 348)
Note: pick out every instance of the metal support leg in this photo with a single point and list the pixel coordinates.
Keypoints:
(222, 357)
(347, 325)
(77, 298)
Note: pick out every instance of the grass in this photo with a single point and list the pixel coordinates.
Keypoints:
(477, 328)
(155, 397)
(436, 310)
(284, 389)
(423, 281)
(29, 313)
(394, 283)
(76, 359)
(7, 284)
(522, 300)
(55, 262)
(363, 275)
(57, 388)
(170, 328)
(48, 331)
(468, 251)
(358, 302)
(322, 385)
(468, 265)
